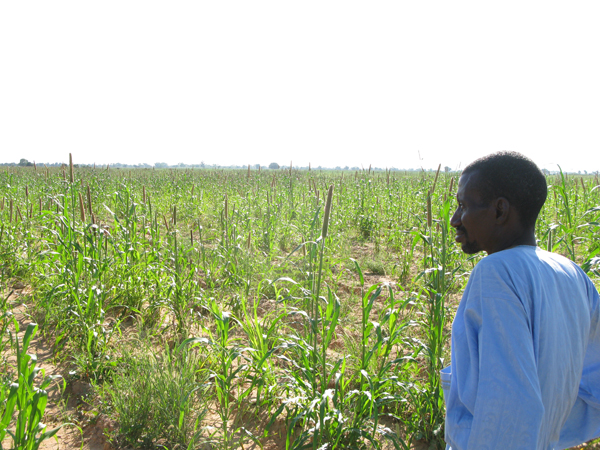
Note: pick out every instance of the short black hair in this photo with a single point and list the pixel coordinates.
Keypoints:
(515, 177)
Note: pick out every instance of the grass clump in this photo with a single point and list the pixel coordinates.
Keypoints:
(159, 398)
(374, 267)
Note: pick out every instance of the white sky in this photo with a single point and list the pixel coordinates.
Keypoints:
(327, 82)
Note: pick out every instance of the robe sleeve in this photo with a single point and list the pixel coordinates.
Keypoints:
(583, 423)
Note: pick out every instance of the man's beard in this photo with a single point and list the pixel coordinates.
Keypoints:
(469, 247)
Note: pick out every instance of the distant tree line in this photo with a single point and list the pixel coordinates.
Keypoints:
(163, 165)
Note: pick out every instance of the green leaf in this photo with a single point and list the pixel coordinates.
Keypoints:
(360, 273)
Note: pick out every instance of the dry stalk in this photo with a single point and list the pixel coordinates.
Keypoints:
(71, 167)
(327, 212)
(81, 208)
(436, 178)
(89, 200)
(429, 217)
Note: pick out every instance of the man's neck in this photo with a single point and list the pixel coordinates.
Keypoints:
(525, 238)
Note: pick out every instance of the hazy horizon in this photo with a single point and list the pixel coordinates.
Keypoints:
(159, 164)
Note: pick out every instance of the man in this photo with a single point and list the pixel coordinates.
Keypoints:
(525, 370)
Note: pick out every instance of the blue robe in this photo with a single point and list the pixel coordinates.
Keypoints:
(525, 370)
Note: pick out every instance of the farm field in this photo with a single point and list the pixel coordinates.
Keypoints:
(230, 309)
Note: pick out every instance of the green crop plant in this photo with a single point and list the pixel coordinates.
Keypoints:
(26, 401)
(228, 372)
(6, 320)
(263, 336)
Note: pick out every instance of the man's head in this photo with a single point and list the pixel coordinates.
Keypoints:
(500, 197)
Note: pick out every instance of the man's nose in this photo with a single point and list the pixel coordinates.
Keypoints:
(455, 220)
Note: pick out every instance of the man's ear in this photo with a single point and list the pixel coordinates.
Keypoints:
(502, 210)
